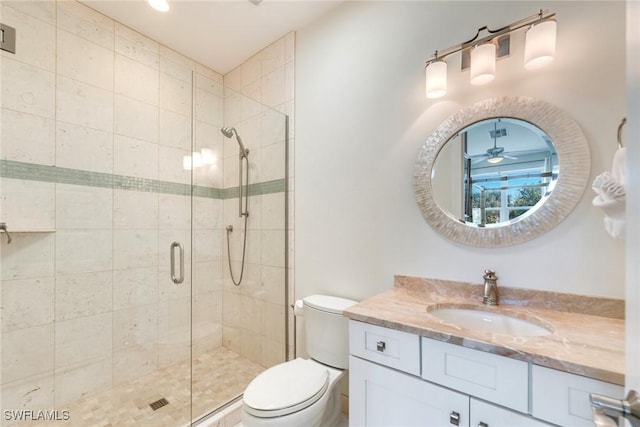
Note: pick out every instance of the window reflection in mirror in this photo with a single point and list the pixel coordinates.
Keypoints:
(494, 172)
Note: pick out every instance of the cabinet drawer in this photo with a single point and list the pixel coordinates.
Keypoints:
(485, 414)
(396, 349)
(563, 398)
(497, 379)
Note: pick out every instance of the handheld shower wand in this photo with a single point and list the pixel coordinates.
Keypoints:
(229, 132)
(242, 191)
(244, 153)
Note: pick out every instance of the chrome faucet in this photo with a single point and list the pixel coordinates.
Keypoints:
(490, 294)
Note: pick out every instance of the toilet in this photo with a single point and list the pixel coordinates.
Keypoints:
(305, 392)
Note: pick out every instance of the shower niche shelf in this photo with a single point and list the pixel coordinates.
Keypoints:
(7, 231)
(32, 230)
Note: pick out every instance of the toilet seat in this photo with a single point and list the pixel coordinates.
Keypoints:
(286, 388)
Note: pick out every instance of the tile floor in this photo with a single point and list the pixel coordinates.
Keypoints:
(219, 376)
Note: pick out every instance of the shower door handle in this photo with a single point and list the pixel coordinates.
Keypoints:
(177, 279)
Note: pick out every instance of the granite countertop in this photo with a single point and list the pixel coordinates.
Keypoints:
(587, 333)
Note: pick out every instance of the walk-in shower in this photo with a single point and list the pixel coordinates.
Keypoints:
(243, 202)
(101, 173)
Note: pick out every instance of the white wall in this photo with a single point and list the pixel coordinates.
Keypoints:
(361, 119)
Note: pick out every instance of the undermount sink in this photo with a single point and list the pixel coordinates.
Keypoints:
(485, 321)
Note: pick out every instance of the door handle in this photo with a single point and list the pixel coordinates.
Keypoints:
(172, 249)
(604, 406)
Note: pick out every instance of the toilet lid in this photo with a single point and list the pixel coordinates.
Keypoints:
(286, 388)
(330, 304)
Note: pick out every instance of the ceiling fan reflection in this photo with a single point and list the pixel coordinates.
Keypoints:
(494, 154)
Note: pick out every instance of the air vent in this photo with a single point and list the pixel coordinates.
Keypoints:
(498, 133)
(159, 404)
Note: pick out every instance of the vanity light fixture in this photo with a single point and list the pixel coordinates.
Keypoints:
(540, 45)
(480, 54)
(483, 64)
(436, 77)
(159, 5)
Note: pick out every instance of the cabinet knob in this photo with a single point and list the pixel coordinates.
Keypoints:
(454, 418)
(483, 424)
(381, 346)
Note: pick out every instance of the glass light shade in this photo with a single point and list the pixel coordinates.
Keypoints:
(494, 160)
(540, 45)
(159, 5)
(436, 78)
(483, 64)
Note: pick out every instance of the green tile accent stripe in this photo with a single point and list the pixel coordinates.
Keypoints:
(207, 192)
(44, 173)
(268, 187)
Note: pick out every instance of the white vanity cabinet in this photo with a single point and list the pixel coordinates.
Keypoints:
(398, 379)
(387, 387)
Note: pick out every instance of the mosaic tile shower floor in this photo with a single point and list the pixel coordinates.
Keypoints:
(218, 376)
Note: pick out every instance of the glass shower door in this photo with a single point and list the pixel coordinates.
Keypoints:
(96, 124)
(113, 171)
(239, 326)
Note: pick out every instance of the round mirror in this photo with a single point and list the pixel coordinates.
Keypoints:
(501, 172)
(494, 171)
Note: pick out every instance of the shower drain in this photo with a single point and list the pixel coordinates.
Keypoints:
(159, 404)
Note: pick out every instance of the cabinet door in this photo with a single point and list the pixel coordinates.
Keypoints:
(380, 396)
(484, 414)
(563, 398)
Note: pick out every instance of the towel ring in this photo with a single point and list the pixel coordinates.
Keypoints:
(622, 123)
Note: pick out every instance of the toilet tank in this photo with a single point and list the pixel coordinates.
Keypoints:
(327, 330)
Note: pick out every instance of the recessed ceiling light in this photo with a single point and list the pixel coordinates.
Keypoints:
(159, 5)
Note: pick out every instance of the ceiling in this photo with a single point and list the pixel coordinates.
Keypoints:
(220, 34)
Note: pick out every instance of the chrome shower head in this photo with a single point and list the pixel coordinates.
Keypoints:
(228, 132)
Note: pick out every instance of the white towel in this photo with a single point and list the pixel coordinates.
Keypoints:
(611, 198)
(614, 216)
(619, 167)
(608, 188)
